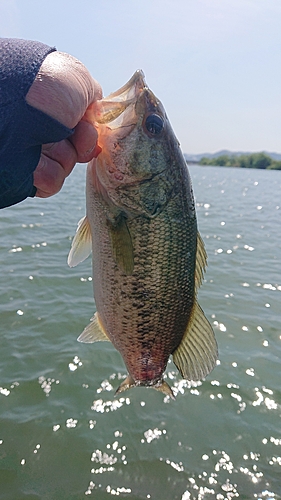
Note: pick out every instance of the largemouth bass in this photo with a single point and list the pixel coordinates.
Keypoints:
(148, 257)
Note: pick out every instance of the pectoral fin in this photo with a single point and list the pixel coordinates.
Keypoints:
(201, 261)
(197, 353)
(94, 332)
(82, 243)
(121, 243)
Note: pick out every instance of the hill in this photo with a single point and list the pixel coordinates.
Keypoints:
(225, 152)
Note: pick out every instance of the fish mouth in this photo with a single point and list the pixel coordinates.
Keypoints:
(124, 107)
(130, 89)
(110, 108)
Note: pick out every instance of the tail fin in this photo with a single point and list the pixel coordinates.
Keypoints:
(159, 386)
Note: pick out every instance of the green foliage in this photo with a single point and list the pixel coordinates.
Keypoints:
(254, 160)
(275, 165)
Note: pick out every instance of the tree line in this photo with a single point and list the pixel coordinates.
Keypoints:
(254, 160)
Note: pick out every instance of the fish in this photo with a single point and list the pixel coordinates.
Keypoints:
(148, 257)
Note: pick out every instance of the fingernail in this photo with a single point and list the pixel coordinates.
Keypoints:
(97, 151)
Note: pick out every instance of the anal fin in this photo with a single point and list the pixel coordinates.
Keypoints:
(197, 353)
(94, 332)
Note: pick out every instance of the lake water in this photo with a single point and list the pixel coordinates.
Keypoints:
(63, 434)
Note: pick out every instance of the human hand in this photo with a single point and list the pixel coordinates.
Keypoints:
(64, 90)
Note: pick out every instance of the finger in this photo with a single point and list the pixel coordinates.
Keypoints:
(56, 162)
(48, 177)
(97, 90)
(63, 89)
(84, 141)
(62, 152)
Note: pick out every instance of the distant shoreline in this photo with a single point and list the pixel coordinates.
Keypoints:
(253, 160)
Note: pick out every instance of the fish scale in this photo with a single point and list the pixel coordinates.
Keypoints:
(148, 257)
(156, 305)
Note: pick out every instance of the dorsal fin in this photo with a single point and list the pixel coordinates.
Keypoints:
(197, 353)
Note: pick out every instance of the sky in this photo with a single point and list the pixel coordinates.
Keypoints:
(214, 64)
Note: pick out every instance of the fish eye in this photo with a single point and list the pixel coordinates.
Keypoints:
(154, 124)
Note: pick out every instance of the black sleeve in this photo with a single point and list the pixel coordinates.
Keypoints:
(23, 129)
